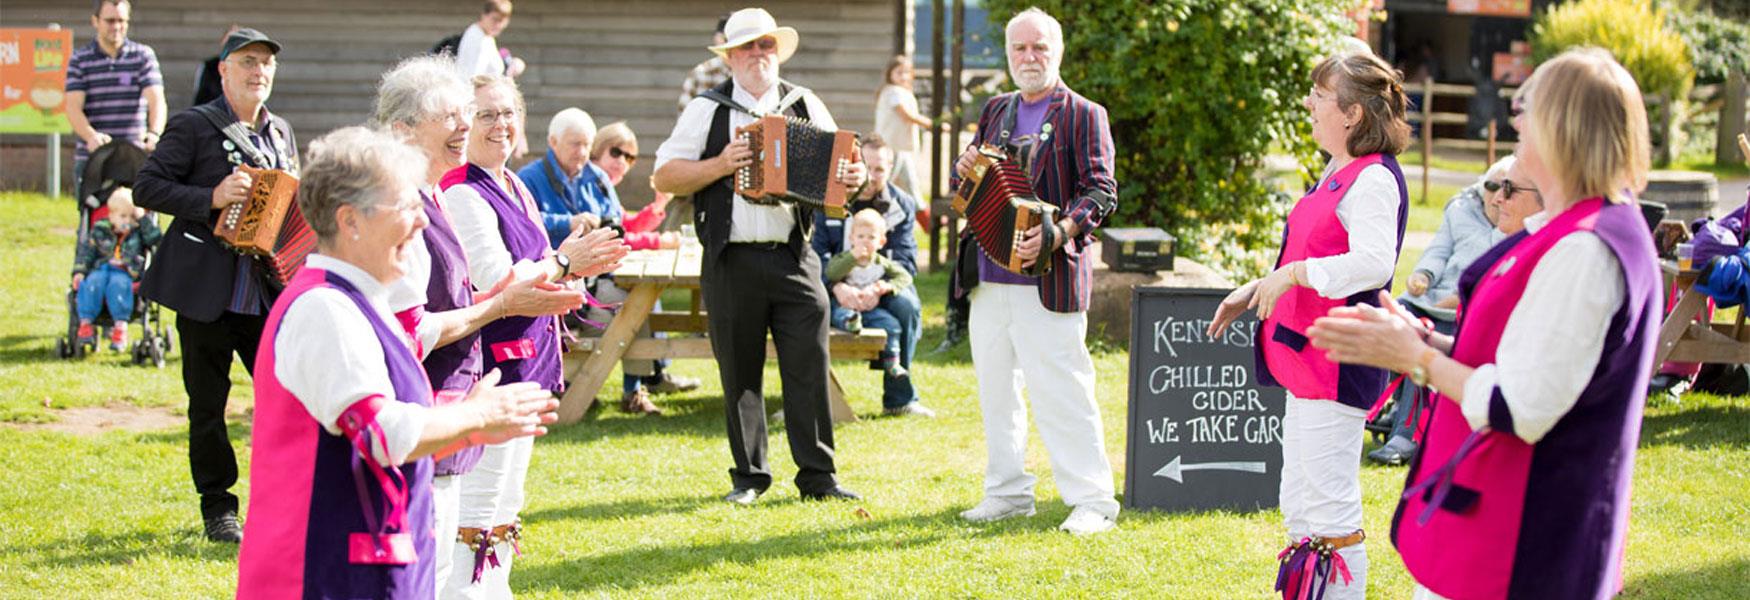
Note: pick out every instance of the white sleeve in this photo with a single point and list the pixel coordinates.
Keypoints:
(1553, 340)
(409, 291)
(477, 228)
(475, 51)
(1369, 211)
(327, 356)
(687, 141)
(818, 113)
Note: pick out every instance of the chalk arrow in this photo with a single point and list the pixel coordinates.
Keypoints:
(1175, 470)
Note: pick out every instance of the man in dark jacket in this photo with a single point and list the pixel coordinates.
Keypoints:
(898, 397)
(221, 298)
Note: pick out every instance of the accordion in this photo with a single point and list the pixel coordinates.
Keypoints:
(996, 199)
(267, 224)
(797, 162)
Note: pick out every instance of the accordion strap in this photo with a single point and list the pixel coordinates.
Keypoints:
(236, 132)
(794, 94)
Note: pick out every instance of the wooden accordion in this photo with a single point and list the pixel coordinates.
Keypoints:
(268, 224)
(795, 161)
(996, 198)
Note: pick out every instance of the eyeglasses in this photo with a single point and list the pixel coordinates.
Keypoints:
(1508, 189)
(489, 117)
(616, 152)
(251, 63)
(765, 44)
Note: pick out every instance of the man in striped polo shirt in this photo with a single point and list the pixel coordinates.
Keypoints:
(114, 89)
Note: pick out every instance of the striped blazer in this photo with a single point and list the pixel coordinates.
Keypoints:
(1072, 169)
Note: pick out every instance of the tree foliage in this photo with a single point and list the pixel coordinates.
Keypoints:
(1634, 31)
(1199, 92)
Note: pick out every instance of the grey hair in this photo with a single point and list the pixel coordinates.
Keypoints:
(1053, 29)
(486, 80)
(416, 89)
(571, 120)
(1499, 169)
(354, 166)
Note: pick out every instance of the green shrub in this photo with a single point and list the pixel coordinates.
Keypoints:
(1198, 92)
(1717, 45)
(1633, 31)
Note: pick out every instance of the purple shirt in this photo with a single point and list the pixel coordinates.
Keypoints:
(1029, 118)
(114, 89)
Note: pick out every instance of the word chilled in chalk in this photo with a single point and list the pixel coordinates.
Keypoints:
(1165, 377)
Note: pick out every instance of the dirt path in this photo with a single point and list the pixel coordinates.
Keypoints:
(116, 416)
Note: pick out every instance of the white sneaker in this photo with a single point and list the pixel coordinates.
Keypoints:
(1084, 520)
(914, 409)
(995, 509)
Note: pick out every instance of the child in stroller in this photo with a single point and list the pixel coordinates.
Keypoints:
(108, 265)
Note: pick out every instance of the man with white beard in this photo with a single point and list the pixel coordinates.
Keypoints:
(758, 272)
(1034, 328)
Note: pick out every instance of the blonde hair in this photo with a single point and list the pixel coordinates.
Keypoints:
(616, 134)
(1591, 125)
(121, 199)
(486, 80)
(871, 219)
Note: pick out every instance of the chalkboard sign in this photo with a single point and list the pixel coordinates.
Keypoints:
(1202, 432)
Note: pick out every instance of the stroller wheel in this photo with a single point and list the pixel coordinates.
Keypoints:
(62, 349)
(138, 352)
(156, 353)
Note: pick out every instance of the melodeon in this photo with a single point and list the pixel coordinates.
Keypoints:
(996, 198)
(268, 224)
(795, 161)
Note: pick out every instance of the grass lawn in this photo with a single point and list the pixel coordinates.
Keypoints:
(627, 507)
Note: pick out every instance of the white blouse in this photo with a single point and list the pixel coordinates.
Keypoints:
(1369, 211)
(327, 355)
(1554, 338)
(477, 228)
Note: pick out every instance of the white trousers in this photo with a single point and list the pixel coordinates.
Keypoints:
(491, 495)
(446, 500)
(1016, 342)
(1321, 481)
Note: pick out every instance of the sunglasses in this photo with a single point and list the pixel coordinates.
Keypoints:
(616, 152)
(765, 44)
(1508, 189)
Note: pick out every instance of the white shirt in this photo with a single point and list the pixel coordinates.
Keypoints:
(477, 53)
(1369, 211)
(900, 134)
(327, 355)
(748, 222)
(1554, 338)
(477, 228)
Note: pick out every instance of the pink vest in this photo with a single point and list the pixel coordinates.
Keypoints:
(1288, 359)
(1460, 522)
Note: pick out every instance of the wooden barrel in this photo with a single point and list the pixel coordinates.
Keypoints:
(1687, 195)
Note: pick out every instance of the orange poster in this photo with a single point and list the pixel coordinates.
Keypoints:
(1499, 8)
(33, 80)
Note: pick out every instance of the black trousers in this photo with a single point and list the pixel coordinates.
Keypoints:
(749, 290)
(206, 376)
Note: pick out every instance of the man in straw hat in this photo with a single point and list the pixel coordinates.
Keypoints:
(758, 273)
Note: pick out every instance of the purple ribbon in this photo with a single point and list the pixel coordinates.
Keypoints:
(1441, 479)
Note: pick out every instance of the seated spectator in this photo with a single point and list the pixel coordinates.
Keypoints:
(864, 276)
(899, 210)
(563, 182)
(611, 157)
(109, 263)
(1467, 230)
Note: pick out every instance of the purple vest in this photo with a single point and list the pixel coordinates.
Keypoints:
(456, 366)
(305, 503)
(525, 240)
(1489, 515)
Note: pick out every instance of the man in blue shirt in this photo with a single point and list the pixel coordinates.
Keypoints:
(570, 191)
(899, 397)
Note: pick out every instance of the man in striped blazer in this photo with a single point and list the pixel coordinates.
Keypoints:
(1038, 324)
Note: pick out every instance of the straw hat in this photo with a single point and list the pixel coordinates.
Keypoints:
(750, 24)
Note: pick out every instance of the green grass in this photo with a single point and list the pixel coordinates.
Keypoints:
(1705, 163)
(626, 507)
(1467, 165)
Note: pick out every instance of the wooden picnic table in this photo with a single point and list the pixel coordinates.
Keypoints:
(645, 274)
(1684, 339)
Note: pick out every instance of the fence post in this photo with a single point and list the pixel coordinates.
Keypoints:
(1427, 132)
(1726, 150)
(1491, 141)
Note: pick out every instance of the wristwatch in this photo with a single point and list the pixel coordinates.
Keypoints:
(1419, 373)
(564, 264)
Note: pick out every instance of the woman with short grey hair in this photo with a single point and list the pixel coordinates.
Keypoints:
(343, 387)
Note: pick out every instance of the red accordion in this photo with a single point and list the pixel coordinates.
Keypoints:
(268, 225)
(996, 198)
(795, 161)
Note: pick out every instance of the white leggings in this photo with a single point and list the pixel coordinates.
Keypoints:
(491, 495)
(1321, 481)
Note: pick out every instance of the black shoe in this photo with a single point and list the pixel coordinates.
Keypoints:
(832, 493)
(742, 496)
(224, 528)
(1396, 451)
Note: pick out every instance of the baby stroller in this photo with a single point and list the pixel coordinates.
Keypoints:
(112, 166)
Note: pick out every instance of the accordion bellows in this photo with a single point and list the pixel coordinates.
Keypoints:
(996, 198)
(795, 161)
(268, 224)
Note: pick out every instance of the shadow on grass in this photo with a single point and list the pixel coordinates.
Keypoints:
(28, 349)
(1722, 580)
(1698, 428)
(650, 566)
(123, 549)
(624, 509)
